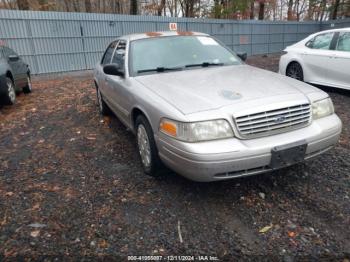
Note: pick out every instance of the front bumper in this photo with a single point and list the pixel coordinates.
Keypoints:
(230, 158)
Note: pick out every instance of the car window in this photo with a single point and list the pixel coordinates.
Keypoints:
(108, 54)
(119, 54)
(344, 42)
(177, 51)
(322, 41)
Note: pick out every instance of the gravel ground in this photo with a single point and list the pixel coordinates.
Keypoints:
(71, 186)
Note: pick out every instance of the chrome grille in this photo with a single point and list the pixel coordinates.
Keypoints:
(273, 121)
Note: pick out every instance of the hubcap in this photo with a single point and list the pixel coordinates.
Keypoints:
(99, 99)
(11, 91)
(294, 71)
(144, 146)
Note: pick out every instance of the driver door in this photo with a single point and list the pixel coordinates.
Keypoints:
(120, 92)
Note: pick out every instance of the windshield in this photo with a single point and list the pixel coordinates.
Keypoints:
(154, 55)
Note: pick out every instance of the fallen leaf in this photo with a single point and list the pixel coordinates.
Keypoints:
(35, 233)
(291, 234)
(103, 244)
(36, 206)
(265, 229)
(9, 194)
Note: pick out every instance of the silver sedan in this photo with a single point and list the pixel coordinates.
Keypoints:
(196, 107)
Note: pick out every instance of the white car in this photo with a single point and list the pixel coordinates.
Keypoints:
(322, 58)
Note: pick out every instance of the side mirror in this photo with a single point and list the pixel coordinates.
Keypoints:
(242, 55)
(113, 69)
(13, 58)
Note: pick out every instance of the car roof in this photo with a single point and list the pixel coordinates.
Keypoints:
(146, 35)
(336, 30)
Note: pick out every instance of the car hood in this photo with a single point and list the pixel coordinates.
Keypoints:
(203, 89)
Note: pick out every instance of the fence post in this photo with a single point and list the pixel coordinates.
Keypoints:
(35, 70)
(83, 43)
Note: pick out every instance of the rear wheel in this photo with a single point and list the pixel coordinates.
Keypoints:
(10, 92)
(294, 70)
(28, 88)
(103, 107)
(148, 151)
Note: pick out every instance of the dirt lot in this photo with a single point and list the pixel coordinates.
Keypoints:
(71, 185)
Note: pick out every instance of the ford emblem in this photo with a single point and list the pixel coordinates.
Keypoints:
(280, 119)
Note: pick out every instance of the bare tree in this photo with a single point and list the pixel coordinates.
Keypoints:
(133, 7)
(335, 9)
(251, 13)
(23, 4)
(261, 9)
(88, 6)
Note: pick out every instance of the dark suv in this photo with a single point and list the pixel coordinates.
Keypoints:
(14, 76)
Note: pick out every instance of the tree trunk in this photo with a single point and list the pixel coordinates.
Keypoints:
(251, 15)
(217, 9)
(261, 10)
(323, 9)
(133, 7)
(335, 9)
(161, 7)
(297, 10)
(23, 4)
(346, 8)
(175, 7)
(88, 6)
(290, 10)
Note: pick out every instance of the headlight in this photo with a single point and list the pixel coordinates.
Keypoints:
(196, 131)
(322, 108)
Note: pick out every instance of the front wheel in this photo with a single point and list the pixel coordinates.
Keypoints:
(148, 151)
(102, 106)
(294, 70)
(10, 92)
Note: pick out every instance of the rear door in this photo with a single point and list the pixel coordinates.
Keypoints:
(339, 65)
(316, 57)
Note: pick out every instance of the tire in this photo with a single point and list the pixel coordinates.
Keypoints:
(10, 92)
(28, 88)
(102, 106)
(146, 145)
(294, 70)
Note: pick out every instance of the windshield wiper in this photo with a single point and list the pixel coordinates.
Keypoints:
(205, 64)
(160, 69)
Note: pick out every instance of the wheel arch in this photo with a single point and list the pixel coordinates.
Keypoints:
(301, 65)
(135, 112)
(294, 61)
(10, 75)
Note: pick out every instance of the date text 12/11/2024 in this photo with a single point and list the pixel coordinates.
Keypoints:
(173, 258)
